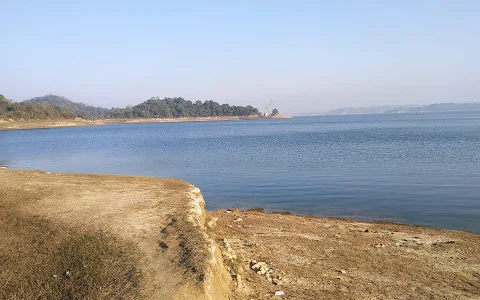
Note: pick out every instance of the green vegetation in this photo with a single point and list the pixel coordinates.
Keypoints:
(58, 107)
(31, 111)
(275, 112)
(80, 110)
(180, 108)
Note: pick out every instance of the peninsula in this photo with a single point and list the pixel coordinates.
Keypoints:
(52, 111)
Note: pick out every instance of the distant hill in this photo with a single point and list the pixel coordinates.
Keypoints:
(178, 107)
(363, 110)
(438, 107)
(81, 110)
(399, 109)
(155, 107)
(31, 111)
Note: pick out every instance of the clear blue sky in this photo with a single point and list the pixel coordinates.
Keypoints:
(306, 55)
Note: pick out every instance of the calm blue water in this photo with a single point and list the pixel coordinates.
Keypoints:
(418, 169)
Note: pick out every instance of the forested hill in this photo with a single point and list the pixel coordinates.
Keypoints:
(32, 111)
(81, 110)
(179, 108)
(54, 106)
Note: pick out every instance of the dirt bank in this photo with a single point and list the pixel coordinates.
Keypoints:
(36, 124)
(318, 258)
(151, 233)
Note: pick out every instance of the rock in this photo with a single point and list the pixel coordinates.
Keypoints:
(366, 230)
(276, 281)
(212, 222)
(342, 271)
(228, 211)
(337, 236)
(379, 245)
(229, 253)
(230, 226)
(279, 293)
(237, 219)
(260, 267)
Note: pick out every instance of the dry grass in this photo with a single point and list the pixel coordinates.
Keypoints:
(186, 246)
(79, 207)
(40, 259)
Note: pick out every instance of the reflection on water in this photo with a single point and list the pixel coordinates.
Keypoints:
(420, 169)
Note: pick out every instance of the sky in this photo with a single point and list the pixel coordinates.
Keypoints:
(308, 56)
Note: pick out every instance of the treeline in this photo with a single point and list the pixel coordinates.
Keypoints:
(58, 107)
(180, 108)
(32, 111)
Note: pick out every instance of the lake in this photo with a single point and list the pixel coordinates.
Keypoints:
(412, 168)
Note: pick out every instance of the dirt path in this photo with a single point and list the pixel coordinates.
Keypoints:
(314, 258)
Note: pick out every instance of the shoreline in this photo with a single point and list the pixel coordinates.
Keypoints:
(186, 252)
(79, 122)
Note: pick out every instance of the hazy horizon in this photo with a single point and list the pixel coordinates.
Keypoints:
(307, 57)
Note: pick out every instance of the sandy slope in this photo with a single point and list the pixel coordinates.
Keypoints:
(138, 210)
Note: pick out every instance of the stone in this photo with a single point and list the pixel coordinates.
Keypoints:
(366, 230)
(279, 293)
(212, 222)
(342, 271)
(237, 219)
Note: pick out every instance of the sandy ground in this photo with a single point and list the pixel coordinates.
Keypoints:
(318, 258)
(138, 210)
(35, 124)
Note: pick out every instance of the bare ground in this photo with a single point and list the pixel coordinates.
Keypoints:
(36, 124)
(78, 236)
(155, 222)
(321, 258)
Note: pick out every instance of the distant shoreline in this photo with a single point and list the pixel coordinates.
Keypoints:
(79, 122)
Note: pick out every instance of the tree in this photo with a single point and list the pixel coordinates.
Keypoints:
(275, 112)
